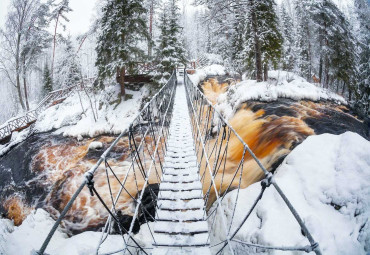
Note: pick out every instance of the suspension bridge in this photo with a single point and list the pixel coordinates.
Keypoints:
(184, 148)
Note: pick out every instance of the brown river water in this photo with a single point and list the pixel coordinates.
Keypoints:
(45, 170)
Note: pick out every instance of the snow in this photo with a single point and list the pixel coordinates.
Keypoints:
(202, 73)
(281, 84)
(16, 138)
(327, 179)
(30, 235)
(95, 146)
(69, 119)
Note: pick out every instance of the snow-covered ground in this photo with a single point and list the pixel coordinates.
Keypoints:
(31, 234)
(281, 84)
(327, 179)
(112, 118)
(74, 116)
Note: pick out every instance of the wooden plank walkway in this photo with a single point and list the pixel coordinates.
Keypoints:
(180, 226)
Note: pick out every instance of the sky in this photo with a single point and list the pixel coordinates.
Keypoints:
(80, 18)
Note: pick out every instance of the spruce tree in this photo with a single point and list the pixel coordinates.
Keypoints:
(170, 50)
(303, 41)
(288, 59)
(267, 38)
(175, 35)
(336, 48)
(122, 29)
(69, 69)
(47, 81)
(362, 10)
(238, 56)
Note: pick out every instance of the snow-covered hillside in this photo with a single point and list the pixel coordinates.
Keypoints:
(70, 119)
(327, 179)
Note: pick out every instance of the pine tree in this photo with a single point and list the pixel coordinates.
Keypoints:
(175, 35)
(303, 41)
(238, 57)
(122, 28)
(288, 59)
(170, 50)
(69, 69)
(47, 81)
(267, 39)
(362, 10)
(163, 50)
(336, 48)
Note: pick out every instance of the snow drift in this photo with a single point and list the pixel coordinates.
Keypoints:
(327, 179)
(72, 119)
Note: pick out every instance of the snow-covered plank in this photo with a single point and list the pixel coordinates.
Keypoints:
(184, 195)
(181, 227)
(181, 204)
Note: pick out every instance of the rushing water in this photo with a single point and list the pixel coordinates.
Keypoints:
(45, 170)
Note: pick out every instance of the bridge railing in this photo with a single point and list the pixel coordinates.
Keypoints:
(31, 116)
(129, 178)
(225, 163)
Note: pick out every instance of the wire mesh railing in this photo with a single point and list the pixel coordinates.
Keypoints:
(119, 184)
(224, 161)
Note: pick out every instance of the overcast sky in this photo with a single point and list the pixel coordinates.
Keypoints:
(80, 18)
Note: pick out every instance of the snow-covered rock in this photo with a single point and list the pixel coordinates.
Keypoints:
(281, 84)
(16, 138)
(95, 146)
(327, 179)
(202, 73)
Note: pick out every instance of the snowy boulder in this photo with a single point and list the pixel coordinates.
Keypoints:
(327, 179)
(30, 235)
(95, 146)
(79, 138)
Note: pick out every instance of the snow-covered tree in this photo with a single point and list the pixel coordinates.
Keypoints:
(123, 29)
(23, 40)
(267, 38)
(59, 10)
(47, 81)
(68, 69)
(303, 40)
(169, 50)
(363, 60)
(335, 44)
(288, 59)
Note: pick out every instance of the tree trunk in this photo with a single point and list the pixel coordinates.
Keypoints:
(25, 92)
(349, 93)
(17, 71)
(121, 79)
(265, 72)
(54, 45)
(25, 85)
(150, 46)
(344, 87)
(257, 46)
